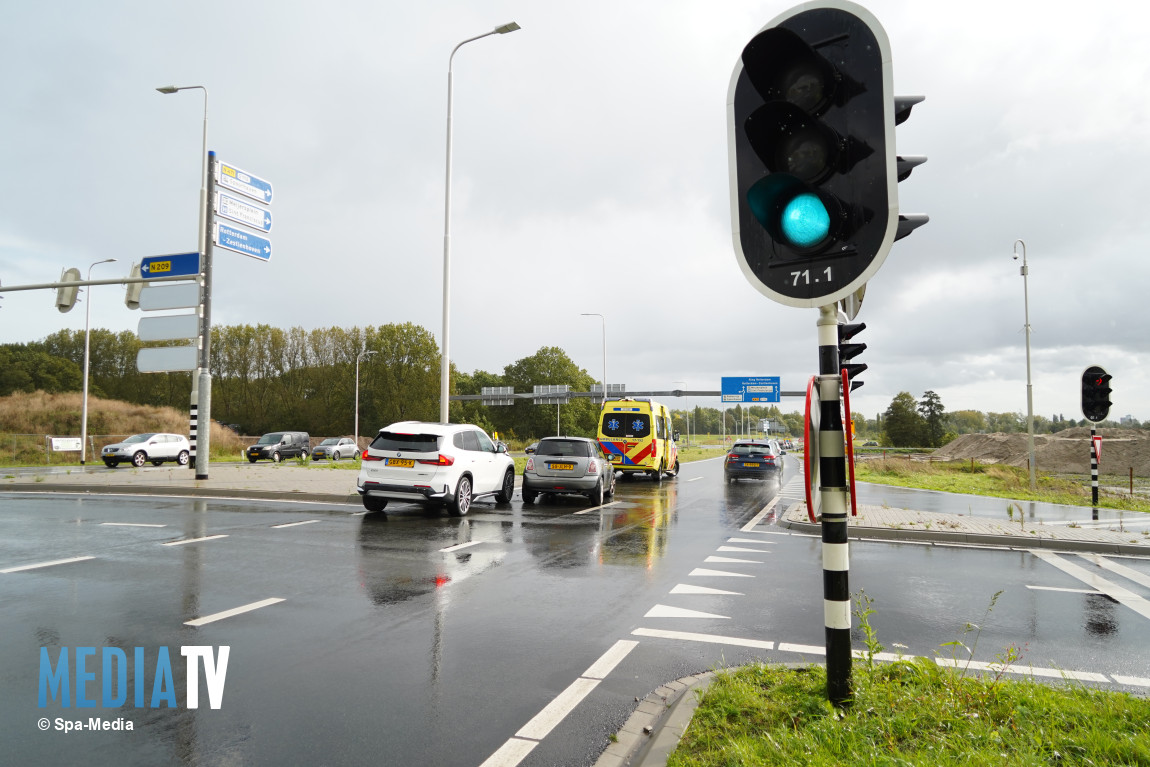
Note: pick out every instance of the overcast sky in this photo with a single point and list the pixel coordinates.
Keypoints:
(590, 175)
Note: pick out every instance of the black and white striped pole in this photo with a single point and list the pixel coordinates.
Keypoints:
(834, 504)
(1093, 474)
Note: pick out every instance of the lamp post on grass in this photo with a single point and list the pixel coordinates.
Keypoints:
(360, 356)
(1025, 271)
(87, 333)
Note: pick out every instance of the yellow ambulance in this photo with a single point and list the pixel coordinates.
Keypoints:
(635, 434)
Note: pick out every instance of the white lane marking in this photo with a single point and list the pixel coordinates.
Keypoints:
(753, 540)
(686, 588)
(459, 546)
(555, 711)
(806, 649)
(708, 638)
(128, 524)
(742, 549)
(594, 508)
(755, 520)
(45, 564)
(193, 540)
(1056, 673)
(667, 611)
(358, 513)
(694, 479)
(731, 560)
(718, 573)
(510, 753)
(234, 611)
(1137, 681)
(1112, 590)
(1114, 567)
(1069, 591)
(610, 659)
(295, 524)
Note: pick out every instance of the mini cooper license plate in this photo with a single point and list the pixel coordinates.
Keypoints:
(561, 466)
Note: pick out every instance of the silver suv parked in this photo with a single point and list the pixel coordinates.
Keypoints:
(141, 448)
(434, 463)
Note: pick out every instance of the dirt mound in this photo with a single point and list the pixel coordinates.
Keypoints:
(1067, 452)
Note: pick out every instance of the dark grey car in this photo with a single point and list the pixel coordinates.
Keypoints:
(568, 465)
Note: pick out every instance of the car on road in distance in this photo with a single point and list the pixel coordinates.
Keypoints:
(435, 464)
(142, 448)
(568, 465)
(278, 445)
(754, 459)
(335, 448)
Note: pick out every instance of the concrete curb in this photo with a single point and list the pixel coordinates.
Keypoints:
(178, 490)
(1021, 542)
(654, 729)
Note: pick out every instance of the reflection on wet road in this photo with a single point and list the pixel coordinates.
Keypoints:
(413, 637)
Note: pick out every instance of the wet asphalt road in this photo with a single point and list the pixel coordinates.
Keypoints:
(389, 649)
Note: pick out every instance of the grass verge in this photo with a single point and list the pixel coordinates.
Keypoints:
(994, 480)
(909, 712)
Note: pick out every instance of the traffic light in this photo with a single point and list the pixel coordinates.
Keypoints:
(133, 289)
(813, 169)
(66, 294)
(848, 352)
(1096, 393)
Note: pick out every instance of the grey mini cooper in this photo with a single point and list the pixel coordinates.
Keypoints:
(568, 465)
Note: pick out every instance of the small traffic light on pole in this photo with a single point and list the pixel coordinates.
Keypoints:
(848, 351)
(66, 294)
(813, 169)
(1096, 393)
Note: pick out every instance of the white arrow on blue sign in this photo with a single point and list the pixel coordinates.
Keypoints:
(173, 265)
(233, 178)
(238, 210)
(243, 242)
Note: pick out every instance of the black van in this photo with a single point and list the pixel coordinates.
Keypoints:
(279, 445)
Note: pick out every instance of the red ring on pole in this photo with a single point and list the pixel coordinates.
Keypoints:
(807, 436)
(850, 442)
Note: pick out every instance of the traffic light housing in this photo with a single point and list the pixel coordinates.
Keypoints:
(848, 351)
(813, 169)
(1096, 393)
(66, 294)
(133, 289)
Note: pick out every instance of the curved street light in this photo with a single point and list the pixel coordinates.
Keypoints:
(445, 355)
(1025, 271)
(87, 333)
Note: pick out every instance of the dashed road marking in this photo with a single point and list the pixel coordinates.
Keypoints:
(733, 561)
(667, 611)
(295, 524)
(703, 572)
(686, 588)
(1112, 590)
(193, 540)
(45, 564)
(459, 546)
(232, 612)
(128, 524)
(707, 638)
(1068, 591)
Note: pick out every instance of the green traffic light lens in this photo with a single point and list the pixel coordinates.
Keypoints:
(805, 221)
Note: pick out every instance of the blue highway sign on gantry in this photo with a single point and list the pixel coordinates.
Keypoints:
(751, 389)
(174, 265)
(243, 242)
(233, 178)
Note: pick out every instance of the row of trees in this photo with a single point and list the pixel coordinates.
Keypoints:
(266, 378)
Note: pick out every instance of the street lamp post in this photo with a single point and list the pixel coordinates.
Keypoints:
(202, 244)
(445, 358)
(1025, 271)
(601, 319)
(360, 356)
(87, 333)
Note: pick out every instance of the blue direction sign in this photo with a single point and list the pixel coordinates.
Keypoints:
(243, 242)
(238, 210)
(751, 389)
(174, 265)
(233, 178)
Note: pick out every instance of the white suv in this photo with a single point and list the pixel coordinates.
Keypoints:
(141, 448)
(434, 463)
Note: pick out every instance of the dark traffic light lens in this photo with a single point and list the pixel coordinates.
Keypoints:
(807, 156)
(805, 221)
(806, 89)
